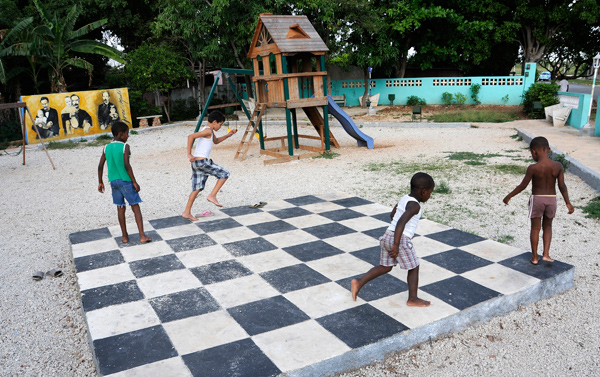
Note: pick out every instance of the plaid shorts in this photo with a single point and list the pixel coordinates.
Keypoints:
(407, 257)
(201, 169)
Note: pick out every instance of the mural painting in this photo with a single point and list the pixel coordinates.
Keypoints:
(75, 114)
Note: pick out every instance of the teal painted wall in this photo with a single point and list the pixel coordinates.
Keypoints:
(493, 88)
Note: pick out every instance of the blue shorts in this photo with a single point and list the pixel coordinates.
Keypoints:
(122, 190)
(201, 169)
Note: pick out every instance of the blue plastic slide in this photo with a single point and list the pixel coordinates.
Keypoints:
(349, 125)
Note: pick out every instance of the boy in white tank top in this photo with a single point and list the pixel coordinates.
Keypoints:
(396, 244)
(202, 165)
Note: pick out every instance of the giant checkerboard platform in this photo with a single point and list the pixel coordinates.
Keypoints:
(266, 291)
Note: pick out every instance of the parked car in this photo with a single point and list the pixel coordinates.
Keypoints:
(544, 76)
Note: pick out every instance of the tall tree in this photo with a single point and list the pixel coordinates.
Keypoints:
(541, 20)
(157, 68)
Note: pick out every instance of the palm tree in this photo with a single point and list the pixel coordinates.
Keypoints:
(7, 49)
(57, 44)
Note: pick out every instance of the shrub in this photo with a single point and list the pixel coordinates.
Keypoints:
(562, 159)
(184, 109)
(415, 101)
(546, 93)
(460, 98)
(447, 98)
(139, 107)
(505, 99)
(592, 209)
(475, 88)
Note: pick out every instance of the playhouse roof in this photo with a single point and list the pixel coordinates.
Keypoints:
(289, 34)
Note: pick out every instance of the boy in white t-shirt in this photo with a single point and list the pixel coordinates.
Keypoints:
(202, 165)
(396, 244)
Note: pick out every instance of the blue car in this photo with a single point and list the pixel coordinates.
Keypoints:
(545, 76)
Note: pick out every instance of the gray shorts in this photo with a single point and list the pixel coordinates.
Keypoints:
(202, 169)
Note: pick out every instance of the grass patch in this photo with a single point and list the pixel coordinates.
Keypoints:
(592, 209)
(505, 238)
(475, 163)
(511, 169)
(328, 155)
(105, 137)
(484, 116)
(517, 138)
(471, 156)
(400, 167)
(442, 188)
(72, 144)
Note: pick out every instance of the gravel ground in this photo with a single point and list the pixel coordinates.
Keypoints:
(42, 329)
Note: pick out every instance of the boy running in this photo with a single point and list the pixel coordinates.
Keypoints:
(202, 165)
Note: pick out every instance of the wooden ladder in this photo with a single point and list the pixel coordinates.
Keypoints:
(253, 123)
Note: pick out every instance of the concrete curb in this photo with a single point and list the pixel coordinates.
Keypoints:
(586, 174)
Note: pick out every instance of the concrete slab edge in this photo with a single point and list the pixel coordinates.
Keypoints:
(586, 174)
(87, 325)
(455, 323)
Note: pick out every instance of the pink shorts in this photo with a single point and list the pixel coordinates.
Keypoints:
(542, 206)
(407, 257)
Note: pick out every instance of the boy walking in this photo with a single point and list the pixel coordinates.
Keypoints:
(122, 181)
(544, 174)
(202, 165)
(396, 245)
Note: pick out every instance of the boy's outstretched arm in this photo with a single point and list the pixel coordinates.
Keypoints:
(129, 169)
(522, 186)
(101, 172)
(562, 187)
(229, 134)
(412, 209)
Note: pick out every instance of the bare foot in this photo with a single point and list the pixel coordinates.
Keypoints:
(145, 239)
(534, 262)
(189, 217)
(547, 259)
(125, 238)
(214, 201)
(354, 287)
(418, 303)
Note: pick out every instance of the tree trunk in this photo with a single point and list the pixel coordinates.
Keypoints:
(363, 102)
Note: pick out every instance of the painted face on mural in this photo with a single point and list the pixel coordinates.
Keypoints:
(68, 101)
(75, 101)
(45, 104)
(105, 97)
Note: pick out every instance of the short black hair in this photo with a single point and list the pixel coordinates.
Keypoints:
(421, 181)
(45, 98)
(119, 127)
(216, 115)
(539, 142)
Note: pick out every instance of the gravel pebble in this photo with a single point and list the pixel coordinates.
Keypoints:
(42, 327)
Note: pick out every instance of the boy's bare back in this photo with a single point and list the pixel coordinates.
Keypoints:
(544, 175)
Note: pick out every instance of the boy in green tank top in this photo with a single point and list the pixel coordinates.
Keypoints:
(122, 181)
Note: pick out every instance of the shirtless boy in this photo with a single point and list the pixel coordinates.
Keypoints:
(544, 175)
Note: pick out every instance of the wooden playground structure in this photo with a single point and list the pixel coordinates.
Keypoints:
(288, 58)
